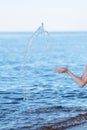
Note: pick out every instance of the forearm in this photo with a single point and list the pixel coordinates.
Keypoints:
(77, 79)
(81, 81)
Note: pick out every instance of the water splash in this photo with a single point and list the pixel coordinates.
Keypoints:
(40, 31)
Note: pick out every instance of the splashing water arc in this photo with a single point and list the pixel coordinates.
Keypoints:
(40, 31)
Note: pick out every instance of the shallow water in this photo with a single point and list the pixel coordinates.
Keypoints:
(31, 94)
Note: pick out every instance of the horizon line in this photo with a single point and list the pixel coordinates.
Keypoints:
(46, 30)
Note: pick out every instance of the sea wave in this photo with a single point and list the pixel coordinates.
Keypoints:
(77, 120)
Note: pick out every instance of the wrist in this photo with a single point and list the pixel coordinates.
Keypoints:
(67, 71)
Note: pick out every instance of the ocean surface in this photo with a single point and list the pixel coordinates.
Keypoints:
(32, 95)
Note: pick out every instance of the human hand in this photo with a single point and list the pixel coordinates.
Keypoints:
(61, 70)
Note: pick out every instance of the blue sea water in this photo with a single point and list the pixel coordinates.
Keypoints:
(32, 95)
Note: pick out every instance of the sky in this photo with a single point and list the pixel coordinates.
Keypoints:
(57, 15)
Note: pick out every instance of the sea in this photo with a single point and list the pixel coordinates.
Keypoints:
(32, 95)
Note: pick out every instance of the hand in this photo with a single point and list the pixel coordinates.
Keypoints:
(61, 70)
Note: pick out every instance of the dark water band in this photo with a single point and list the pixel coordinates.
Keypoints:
(80, 119)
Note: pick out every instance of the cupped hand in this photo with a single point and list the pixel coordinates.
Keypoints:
(61, 70)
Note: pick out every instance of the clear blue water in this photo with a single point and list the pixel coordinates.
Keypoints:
(31, 94)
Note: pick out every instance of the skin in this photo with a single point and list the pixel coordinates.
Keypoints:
(81, 81)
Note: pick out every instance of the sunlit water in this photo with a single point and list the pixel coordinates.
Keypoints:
(33, 96)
